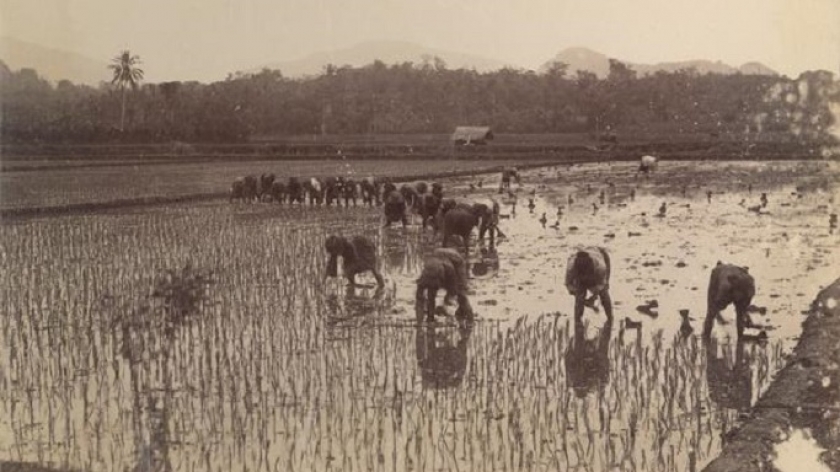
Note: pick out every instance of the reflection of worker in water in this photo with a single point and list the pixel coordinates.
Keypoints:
(442, 359)
(363, 302)
(488, 261)
(730, 382)
(587, 360)
(396, 256)
(405, 257)
(356, 303)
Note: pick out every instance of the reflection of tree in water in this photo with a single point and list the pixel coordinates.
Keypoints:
(442, 359)
(177, 298)
(587, 360)
(730, 380)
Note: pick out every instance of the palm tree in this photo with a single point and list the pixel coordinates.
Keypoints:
(126, 73)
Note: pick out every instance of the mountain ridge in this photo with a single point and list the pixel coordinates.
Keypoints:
(582, 58)
(387, 51)
(51, 63)
(57, 64)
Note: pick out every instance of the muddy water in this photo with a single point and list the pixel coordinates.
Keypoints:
(788, 246)
(280, 371)
(665, 234)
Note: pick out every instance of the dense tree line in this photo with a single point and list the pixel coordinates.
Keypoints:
(412, 98)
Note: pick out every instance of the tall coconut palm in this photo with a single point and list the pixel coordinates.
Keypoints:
(126, 74)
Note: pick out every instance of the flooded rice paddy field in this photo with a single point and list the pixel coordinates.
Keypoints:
(202, 337)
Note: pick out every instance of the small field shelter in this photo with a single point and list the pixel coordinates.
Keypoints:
(465, 135)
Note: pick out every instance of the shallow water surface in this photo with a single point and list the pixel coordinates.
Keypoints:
(276, 369)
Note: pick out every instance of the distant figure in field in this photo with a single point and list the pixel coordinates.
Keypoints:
(315, 191)
(460, 218)
(350, 192)
(264, 187)
(244, 189)
(359, 254)
(278, 191)
(295, 191)
(427, 207)
(509, 173)
(729, 284)
(588, 270)
(370, 191)
(648, 164)
(445, 269)
(437, 189)
(395, 208)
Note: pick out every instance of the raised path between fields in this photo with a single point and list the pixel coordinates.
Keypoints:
(804, 395)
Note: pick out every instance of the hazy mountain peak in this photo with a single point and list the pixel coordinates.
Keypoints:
(580, 52)
(756, 68)
(580, 58)
(387, 51)
(53, 64)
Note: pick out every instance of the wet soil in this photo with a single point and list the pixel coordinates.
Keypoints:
(788, 245)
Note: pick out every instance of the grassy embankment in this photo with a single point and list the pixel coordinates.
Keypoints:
(805, 395)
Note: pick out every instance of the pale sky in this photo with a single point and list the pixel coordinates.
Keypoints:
(207, 39)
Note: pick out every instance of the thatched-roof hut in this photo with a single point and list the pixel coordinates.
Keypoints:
(464, 135)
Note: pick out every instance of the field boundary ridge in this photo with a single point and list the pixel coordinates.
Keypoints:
(804, 394)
